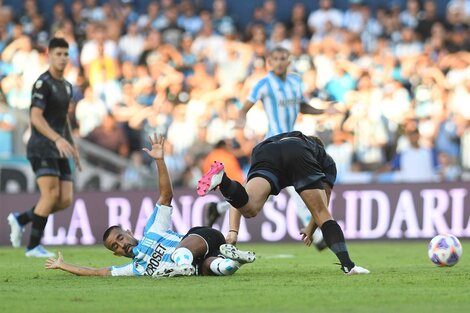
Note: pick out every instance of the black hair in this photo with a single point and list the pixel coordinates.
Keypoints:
(108, 231)
(220, 144)
(58, 43)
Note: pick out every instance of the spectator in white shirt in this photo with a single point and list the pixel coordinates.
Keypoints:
(131, 44)
(415, 163)
(326, 13)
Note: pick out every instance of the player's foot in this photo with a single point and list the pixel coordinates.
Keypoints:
(173, 270)
(231, 252)
(210, 213)
(39, 252)
(357, 270)
(16, 230)
(211, 179)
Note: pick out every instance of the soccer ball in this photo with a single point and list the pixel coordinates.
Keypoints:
(445, 250)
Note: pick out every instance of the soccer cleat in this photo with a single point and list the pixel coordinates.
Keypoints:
(231, 252)
(173, 270)
(16, 230)
(211, 179)
(211, 214)
(357, 270)
(39, 252)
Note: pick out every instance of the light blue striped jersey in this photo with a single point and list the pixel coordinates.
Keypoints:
(281, 101)
(156, 246)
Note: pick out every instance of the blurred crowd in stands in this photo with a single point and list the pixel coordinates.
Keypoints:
(399, 78)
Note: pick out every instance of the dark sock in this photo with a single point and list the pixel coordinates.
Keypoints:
(334, 238)
(26, 217)
(39, 223)
(233, 191)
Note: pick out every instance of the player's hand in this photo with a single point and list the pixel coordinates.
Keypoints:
(53, 263)
(66, 150)
(76, 157)
(307, 236)
(231, 238)
(157, 143)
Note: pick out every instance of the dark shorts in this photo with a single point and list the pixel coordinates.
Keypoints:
(213, 238)
(293, 161)
(51, 167)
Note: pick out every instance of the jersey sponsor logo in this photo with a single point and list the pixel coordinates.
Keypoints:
(38, 84)
(155, 259)
(287, 102)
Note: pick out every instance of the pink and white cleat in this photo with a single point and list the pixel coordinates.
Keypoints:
(211, 179)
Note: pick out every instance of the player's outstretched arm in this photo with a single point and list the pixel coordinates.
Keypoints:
(307, 232)
(54, 264)
(157, 153)
(234, 222)
(308, 109)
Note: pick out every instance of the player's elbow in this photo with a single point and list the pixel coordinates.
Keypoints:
(166, 198)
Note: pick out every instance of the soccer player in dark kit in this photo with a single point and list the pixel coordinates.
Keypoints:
(49, 149)
(287, 159)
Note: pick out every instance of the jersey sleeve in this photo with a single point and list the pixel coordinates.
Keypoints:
(256, 93)
(124, 270)
(160, 220)
(39, 93)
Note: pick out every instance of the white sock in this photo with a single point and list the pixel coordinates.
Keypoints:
(224, 267)
(223, 206)
(182, 256)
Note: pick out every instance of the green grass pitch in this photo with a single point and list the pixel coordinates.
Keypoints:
(285, 278)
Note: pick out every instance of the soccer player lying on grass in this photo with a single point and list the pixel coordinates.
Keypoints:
(287, 159)
(162, 252)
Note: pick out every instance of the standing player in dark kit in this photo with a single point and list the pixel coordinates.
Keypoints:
(48, 150)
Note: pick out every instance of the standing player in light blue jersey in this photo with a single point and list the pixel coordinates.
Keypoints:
(162, 252)
(282, 96)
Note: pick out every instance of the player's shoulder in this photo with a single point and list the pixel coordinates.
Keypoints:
(294, 76)
(43, 80)
(46, 76)
(68, 83)
(263, 81)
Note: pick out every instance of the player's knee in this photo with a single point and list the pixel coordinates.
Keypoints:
(63, 203)
(52, 195)
(250, 213)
